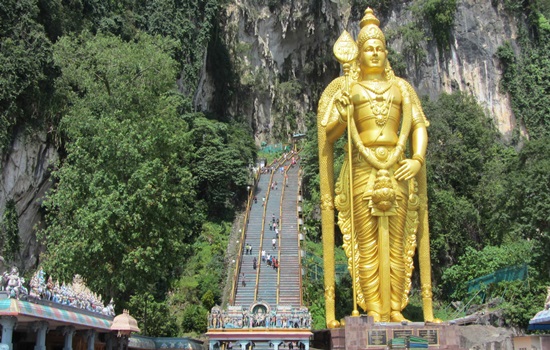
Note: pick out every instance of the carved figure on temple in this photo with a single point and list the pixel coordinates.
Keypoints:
(260, 317)
(49, 288)
(35, 287)
(380, 193)
(14, 282)
(109, 310)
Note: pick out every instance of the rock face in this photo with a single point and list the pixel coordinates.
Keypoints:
(486, 337)
(25, 179)
(471, 65)
(291, 41)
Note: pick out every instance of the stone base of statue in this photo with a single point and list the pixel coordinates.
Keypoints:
(362, 333)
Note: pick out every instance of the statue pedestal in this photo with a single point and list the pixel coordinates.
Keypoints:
(362, 333)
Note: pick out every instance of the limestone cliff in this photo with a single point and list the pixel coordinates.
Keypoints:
(25, 179)
(282, 54)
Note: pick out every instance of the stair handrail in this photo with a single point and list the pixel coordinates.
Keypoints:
(279, 238)
(298, 235)
(283, 189)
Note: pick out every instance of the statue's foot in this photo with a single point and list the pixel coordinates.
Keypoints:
(433, 320)
(333, 324)
(397, 316)
(375, 315)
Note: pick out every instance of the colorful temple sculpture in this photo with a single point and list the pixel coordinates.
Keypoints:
(51, 315)
(259, 315)
(240, 327)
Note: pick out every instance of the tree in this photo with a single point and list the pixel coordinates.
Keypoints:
(199, 287)
(122, 211)
(221, 155)
(25, 57)
(476, 263)
(153, 317)
(463, 143)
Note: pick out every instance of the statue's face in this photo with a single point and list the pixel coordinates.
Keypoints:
(374, 54)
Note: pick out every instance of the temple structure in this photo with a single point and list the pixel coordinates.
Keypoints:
(66, 316)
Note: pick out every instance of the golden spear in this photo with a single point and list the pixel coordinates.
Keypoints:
(345, 50)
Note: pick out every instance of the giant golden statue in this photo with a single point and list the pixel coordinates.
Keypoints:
(380, 193)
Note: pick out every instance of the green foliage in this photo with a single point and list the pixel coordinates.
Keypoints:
(207, 300)
(194, 319)
(198, 289)
(123, 202)
(440, 15)
(476, 263)
(191, 23)
(313, 295)
(523, 299)
(285, 107)
(529, 191)
(454, 226)
(413, 311)
(462, 138)
(514, 6)
(153, 316)
(526, 76)
(25, 58)
(543, 6)
(310, 161)
(463, 154)
(313, 288)
(9, 230)
(412, 36)
(219, 162)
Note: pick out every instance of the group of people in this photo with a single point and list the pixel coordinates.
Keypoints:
(270, 260)
(247, 249)
(274, 225)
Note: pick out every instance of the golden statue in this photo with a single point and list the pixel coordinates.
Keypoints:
(387, 217)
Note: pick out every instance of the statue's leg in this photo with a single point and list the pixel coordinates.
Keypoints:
(366, 227)
(397, 261)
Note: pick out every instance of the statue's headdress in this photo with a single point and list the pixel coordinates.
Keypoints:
(369, 29)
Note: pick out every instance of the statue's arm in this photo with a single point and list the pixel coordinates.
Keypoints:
(419, 134)
(336, 106)
(336, 125)
(419, 142)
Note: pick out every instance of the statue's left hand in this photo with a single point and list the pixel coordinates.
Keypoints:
(407, 170)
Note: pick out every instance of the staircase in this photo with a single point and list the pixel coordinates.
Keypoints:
(289, 255)
(266, 284)
(246, 294)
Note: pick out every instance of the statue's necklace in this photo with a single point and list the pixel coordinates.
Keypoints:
(379, 105)
(377, 87)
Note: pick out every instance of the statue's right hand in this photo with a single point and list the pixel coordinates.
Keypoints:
(343, 105)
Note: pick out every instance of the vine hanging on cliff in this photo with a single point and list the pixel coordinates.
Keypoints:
(10, 232)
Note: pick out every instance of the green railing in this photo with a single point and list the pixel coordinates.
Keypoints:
(314, 268)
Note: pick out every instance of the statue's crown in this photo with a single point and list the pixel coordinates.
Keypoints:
(370, 28)
(369, 18)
